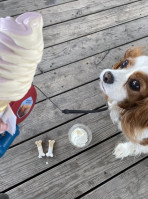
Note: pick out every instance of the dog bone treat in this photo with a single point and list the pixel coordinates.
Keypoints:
(21, 49)
(50, 149)
(40, 148)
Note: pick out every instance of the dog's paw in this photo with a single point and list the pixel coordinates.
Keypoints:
(121, 150)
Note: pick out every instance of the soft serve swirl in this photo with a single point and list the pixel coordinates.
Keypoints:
(21, 49)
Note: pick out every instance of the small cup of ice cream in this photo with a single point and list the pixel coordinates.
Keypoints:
(80, 135)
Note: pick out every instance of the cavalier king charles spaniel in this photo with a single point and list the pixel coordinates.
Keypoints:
(125, 87)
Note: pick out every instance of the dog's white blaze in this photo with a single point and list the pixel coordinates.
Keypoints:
(141, 61)
(115, 91)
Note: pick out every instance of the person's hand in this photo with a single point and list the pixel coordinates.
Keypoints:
(3, 126)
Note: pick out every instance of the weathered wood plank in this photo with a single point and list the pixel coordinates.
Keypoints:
(81, 72)
(72, 10)
(76, 176)
(40, 95)
(38, 70)
(15, 7)
(25, 155)
(86, 97)
(70, 76)
(46, 115)
(81, 48)
(93, 23)
(129, 185)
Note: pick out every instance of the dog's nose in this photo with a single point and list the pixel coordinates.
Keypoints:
(108, 77)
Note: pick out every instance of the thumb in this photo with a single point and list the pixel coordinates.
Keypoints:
(3, 126)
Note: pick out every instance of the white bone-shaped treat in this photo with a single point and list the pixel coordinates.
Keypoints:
(50, 149)
(40, 148)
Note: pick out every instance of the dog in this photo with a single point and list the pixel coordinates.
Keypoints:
(125, 88)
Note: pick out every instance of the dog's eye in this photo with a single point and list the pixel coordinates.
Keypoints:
(124, 64)
(134, 85)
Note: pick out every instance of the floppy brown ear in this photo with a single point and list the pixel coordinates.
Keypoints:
(135, 120)
(134, 52)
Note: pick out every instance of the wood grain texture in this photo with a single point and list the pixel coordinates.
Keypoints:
(75, 176)
(70, 76)
(131, 184)
(93, 23)
(40, 95)
(76, 9)
(84, 47)
(25, 155)
(15, 7)
(63, 12)
(88, 96)
(46, 115)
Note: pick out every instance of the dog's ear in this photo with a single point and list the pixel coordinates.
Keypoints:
(134, 52)
(130, 54)
(135, 120)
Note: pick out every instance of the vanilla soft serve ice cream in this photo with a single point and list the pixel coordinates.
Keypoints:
(21, 49)
(79, 137)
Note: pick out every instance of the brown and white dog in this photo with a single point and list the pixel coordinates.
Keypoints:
(125, 87)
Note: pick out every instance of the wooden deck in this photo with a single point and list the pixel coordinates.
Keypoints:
(82, 37)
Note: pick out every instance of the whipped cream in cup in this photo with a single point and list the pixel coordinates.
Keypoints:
(80, 135)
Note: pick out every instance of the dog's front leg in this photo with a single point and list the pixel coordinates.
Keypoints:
(115, 113)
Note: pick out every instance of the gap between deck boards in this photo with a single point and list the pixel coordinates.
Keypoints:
(103, 167)
(72, 10)
(76, 28)
(129, 184)
(26, 153)
(61, 162)
(88, 193)
(93, 44)
(13, 9)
